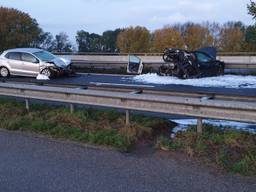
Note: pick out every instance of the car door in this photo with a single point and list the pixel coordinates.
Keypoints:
(135, 65)
(30, 64)
(204, 60)
(207, 64)
(14, 61)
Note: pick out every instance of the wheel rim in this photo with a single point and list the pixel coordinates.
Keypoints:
(46, 72)
(4, 72)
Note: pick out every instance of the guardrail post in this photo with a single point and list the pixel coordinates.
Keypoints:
(72, 108)
(27, 104)
(199, 125)
(250, 59)
(127, 117)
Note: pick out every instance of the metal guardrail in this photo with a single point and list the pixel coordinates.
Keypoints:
(199, 107)
(153, 61)
(148, 54)
(155, 65)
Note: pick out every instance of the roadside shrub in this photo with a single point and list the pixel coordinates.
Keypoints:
(102, 127)
(233, 150)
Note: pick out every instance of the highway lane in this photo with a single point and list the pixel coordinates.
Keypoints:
(29, 163)
(126, 81)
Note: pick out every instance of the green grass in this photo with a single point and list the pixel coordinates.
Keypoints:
(233, 150)
(84, 125)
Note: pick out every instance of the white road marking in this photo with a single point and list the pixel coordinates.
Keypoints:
(125, 85)
(102, 74)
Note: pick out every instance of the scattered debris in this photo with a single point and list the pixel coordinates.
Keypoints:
(42, 77)
(226, 81)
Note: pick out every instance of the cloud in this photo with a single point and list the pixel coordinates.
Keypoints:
(174, 18)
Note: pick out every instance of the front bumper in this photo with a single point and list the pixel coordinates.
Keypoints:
(59, 72)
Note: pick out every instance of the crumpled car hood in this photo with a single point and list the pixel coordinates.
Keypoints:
(61, 62)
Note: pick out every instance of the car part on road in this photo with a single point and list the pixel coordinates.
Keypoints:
(135, 65)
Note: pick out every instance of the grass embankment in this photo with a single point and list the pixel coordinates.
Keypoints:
(84, 125)
(233, 150)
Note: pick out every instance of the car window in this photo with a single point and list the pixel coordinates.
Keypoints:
(134, 59)
(201, 57)
(45, 56)
(28, 58)
(13, 56)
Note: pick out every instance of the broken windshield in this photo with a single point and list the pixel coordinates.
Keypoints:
(45, 56)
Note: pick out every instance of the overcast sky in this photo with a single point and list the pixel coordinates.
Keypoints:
(99, 15)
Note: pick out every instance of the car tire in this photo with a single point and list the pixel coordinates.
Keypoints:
(4, 72)
(161, 71)
(221, 69)
(47, 72)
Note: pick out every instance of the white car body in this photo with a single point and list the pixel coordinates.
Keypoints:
(32, 62)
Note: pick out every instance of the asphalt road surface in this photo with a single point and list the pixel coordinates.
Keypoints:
(127, 81)
(33, 164)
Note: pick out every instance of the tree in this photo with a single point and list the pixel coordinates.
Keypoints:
(252, 9)
(45, 41)
(250, 38)
(214, 29)
(83, 41)
(96, 43)
(17, 29)
(197, 36)
(109, 39)
(165, 38)
(62, 43)
(134, 39)
(89, 42)
(232, 37)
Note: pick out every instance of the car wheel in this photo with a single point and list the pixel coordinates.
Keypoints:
(4, 72)
(222, 70)
(161, 71)
(47, 72)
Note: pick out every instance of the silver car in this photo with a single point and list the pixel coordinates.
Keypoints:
(32, 62)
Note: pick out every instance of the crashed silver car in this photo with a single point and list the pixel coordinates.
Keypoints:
(32, 62)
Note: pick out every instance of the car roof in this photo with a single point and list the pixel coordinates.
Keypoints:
(25, 50)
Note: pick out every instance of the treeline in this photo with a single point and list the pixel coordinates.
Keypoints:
(18, 29)
(229, 37)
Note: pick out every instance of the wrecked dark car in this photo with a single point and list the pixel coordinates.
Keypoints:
(195, 64)
(183, 64)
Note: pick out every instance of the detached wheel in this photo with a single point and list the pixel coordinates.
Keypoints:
(47, 72)
(4, 72)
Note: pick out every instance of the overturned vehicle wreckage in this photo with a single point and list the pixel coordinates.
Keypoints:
(184, 64)
(196, 64)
